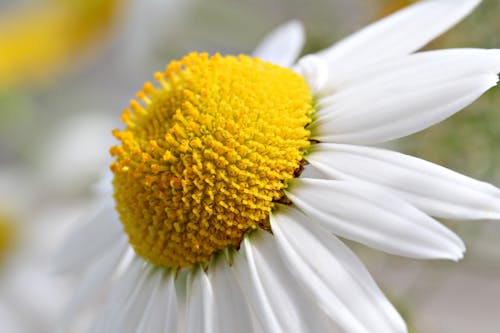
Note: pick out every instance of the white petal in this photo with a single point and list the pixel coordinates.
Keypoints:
(232, 308)
(373, 216)
(401, 33)
(280, 304)
(314, 70)
(450, 64)
(120, 292)
(89, 240)
(401, 97)
(283, 45)
(433, 189)
(167, 299)
(333, 274)
(160, 312)
(200, 304)
(128, 315)
(95, 281)
(181, 286)
(383, 113)
(154, 284)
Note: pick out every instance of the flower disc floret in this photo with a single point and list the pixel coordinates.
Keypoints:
(206, 154)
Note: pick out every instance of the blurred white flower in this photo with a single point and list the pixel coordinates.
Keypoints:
(31, 297)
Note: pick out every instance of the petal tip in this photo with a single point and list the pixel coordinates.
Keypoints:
(457, 253)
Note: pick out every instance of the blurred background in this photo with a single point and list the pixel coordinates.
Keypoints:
(69, 67)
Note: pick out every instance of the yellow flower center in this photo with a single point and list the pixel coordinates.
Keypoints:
(206, 155)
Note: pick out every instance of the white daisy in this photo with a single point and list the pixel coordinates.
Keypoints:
(221, 231)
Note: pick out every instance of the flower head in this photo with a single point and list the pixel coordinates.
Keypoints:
(205, 158)
(228, 234)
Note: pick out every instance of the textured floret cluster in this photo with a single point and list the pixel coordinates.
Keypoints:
(206, 153)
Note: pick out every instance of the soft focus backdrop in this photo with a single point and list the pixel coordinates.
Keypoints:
(69, 67)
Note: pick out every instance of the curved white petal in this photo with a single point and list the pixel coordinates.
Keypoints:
(127, 317)
(436, 65)
(404, 96)
(333, 274)
(120, 293)
(373, 216)
(283, 45)
(389, 112)
(96, 279)
(280, 305)
(160, 312)
(398, 34)
(314, 70)
(181, 289)
(200, 303)
(89, 240)
(234, 314)
(433, 189)
(167, 299)
(153, 285)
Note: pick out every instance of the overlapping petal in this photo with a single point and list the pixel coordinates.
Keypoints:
(396, 35)
(200, 303)
(433, 189)
(406, 96)
(129, 315)
(160, 312)
(373, 216)
(119, 302)
(448, 64)
(314, 70)
(333, 275)
(181, 288)
(233, 312)
(277, 300)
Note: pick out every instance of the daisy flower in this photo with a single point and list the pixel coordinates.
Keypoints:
(217, 220)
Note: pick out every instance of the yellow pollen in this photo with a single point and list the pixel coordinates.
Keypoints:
(206, 153)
